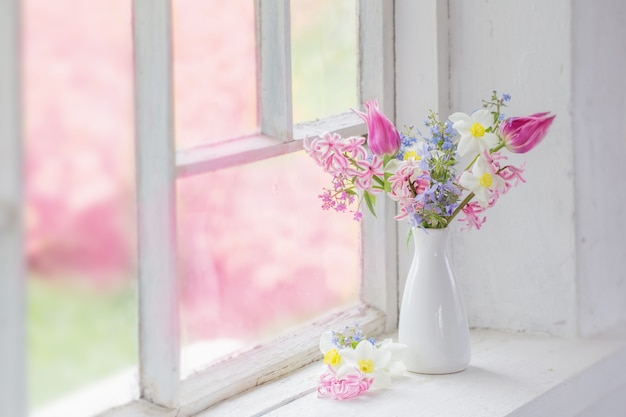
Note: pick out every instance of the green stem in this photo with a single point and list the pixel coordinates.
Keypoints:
(379, 181)
(497, 147)
(494, 149)
(460, 206)
(471, 163)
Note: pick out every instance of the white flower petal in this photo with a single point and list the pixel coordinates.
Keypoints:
(498, 182)
(467, 145)
(381, 358)
(345, 370)
(469, 181)
(482, 196)
(480, 167)
(491, 139)
(396, 368)
(458, 117)
(484, 117)
(326, 342)
(381, 380)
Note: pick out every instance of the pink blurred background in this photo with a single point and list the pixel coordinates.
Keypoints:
(257, 254)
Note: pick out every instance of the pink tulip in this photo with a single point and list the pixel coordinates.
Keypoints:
(521, 134)
(383, 137)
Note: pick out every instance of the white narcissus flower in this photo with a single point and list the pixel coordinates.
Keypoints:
(473, 130)
(481, 181)
(371, 361)
(396, 366)
(332, 355)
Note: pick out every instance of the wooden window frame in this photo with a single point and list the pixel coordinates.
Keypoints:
(159, 344)
(12, 292)
(158, 167)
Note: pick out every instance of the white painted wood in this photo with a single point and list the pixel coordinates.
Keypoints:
(519, 270)
(248, 149)
(379, 235)
(376, 53)
(613, 405)
(114, 396)
(12, 294)
(140, 408)
(512, 374)
(422, 75)
(268, 362)
(599, 141)
(274, 39)
(156, 195)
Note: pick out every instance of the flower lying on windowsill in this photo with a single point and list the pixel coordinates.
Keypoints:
(356, 363)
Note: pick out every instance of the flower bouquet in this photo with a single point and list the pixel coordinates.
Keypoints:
(420, 172)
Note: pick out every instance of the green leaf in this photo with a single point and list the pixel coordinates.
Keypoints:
(378, 180)
(370, 200)
(387, 183)
(409, 236)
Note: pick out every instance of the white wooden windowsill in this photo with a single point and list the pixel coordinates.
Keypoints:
(511, 374)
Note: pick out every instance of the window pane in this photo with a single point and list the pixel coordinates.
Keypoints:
(214, 70)
(258, 254)
(324, 56)
(77, 74)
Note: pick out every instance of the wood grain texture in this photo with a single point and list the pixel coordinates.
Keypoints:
(379, 235)
(512, 374)
(268, 362)
(274, 39)
(156, 194)
(202, 159)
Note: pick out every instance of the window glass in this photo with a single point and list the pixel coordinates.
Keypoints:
(324, 57)
(214, 70)
(78, 118)
(258, 255)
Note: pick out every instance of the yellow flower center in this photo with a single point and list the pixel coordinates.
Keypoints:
(486, 180)
(411, 154)
(332, 357)
(366, 366)
(477, 130)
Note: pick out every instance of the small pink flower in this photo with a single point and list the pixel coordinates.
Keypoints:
(472, 218)
(383, 137)
(344, 388)
(354, 147)
(511, 173)
(364, 176)
(521, 134)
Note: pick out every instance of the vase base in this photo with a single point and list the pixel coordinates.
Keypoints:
(437, 372)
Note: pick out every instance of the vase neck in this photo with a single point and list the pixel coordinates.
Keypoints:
(431, 239)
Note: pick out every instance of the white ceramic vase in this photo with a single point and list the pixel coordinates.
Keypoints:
(433, 322)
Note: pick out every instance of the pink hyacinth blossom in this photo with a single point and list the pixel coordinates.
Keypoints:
(512, 176)
(343, 388)
(521, 134)
(366, 172)
(353, 146)
(472, 217)
(383, 137)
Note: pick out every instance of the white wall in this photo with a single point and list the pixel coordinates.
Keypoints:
(552, 254)
(599, 135)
